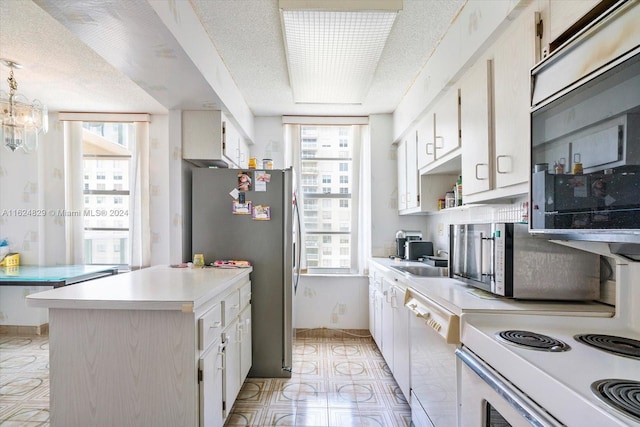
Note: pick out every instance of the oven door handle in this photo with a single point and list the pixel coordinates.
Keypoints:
(512, 397)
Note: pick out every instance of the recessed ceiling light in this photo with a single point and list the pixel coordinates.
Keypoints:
(333, 47)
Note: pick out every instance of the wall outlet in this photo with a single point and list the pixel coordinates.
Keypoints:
(440, 229)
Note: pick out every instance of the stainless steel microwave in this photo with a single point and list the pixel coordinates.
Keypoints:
(506, 260)
(585, 133)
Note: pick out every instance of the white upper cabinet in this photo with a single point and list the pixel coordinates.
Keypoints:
(418, 193)
(513, 57)
(559, 15)
(408, 187)
(426, 141)
(477, 129)
(401, 155)
(447, 123)
(209, 138)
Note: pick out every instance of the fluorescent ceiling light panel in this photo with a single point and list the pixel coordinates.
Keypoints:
(332, 55)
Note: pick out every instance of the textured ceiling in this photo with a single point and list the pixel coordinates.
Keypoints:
(77, 57)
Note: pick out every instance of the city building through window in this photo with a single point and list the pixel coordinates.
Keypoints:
(106, 162)
(326, 158)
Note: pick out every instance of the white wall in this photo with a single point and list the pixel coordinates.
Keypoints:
(32, 193)
(385, 220)
(159, 189)
(31, 185)
(331, 302)
(341, 301)
(269, 141)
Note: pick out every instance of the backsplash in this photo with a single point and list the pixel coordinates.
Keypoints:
(438, 222)
(516, 211)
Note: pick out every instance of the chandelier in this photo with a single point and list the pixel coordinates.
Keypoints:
(21, 121)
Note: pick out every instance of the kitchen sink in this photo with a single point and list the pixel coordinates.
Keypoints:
(421, 270)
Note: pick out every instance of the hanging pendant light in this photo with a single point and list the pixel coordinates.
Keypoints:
(21, 121)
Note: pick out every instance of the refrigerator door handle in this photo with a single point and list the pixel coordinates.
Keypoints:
(297, 254)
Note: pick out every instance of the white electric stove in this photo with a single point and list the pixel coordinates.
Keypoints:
(558, 384)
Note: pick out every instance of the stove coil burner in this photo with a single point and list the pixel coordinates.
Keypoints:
(617, 345)
(532, 340)
(622, 395)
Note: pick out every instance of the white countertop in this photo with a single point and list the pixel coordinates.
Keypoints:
(154, 288)
(460, 298)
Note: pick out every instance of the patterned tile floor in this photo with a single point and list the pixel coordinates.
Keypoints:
(336, 381)
(24, 381)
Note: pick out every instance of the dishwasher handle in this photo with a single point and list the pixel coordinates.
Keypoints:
(436, 317)
(419, 313)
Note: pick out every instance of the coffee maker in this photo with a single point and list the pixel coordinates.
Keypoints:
(401, 238)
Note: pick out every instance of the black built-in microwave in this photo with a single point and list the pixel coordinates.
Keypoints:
(585, 133)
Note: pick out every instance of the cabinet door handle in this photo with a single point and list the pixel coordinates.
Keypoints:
(478, 176)
(223, 358)
(502, 156)
(427, 148)
(441, 139)
(215, 325)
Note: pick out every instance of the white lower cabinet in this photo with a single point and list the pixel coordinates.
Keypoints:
(211, 367)
(375, 305)
(231, 379)
(245, 341)
(225, 358)
(401, 349)
(389, 324)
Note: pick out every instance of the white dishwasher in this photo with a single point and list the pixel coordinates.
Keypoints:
(434, 336)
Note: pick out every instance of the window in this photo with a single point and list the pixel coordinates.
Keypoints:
(106, 205)
(327, 242)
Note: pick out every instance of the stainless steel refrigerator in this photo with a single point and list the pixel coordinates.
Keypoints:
(251, 215)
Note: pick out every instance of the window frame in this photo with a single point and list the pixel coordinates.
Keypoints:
(345, 164)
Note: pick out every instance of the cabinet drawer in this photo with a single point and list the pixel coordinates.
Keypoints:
(245, 294)
(230, 307)
(210, 327)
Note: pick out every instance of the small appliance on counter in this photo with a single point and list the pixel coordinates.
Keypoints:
(402, 237)
(414, 249)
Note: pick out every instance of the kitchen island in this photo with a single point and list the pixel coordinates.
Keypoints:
(130, 349)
